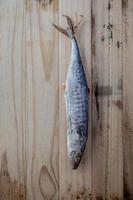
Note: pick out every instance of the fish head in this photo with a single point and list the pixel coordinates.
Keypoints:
(75, 147)
(75, 159)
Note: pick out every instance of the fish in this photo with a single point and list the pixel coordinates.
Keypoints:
(76, 98)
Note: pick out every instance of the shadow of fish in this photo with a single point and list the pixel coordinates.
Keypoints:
(76, 98)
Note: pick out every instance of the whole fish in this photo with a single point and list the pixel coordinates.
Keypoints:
(77, 100)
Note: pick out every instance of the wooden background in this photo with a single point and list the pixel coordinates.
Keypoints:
(33, 65)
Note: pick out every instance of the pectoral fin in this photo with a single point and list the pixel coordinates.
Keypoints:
(64, 86)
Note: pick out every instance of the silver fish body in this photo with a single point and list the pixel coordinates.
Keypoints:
(77, 99)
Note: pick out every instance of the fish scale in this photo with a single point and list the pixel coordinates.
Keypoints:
(77, 100)
(76, 96)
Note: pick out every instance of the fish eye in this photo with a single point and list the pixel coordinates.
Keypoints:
(75, 159)
(78, 156)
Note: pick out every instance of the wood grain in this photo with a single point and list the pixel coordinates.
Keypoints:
(44, 2)
(45, 180)
(72, 182)
(127, 17)
(107, 164)
(29, 103)
(34, 59)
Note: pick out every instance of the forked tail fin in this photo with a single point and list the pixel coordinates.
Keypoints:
(69, 32)
(61, 30)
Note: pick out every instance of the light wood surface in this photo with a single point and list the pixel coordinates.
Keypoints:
(73, 183)
(34, 59)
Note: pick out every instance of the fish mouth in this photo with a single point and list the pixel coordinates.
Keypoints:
(75, 165)
(75, 160)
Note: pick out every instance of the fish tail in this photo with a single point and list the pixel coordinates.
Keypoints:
(61, 30)
(69, 32)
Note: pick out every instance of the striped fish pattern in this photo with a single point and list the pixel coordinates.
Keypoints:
(77, 100)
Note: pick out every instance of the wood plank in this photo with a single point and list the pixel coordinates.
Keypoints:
(11, 176)
(42, 59)
(107, 166)
(29, 103)
(127, 17)
(74, 183)
(34, 59)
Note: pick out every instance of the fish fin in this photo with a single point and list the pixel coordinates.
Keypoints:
(76, 27)
(63, 86)
(69, 32)
(70, 23)
(61, 29)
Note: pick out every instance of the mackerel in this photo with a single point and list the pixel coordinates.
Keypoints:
(77, 100)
